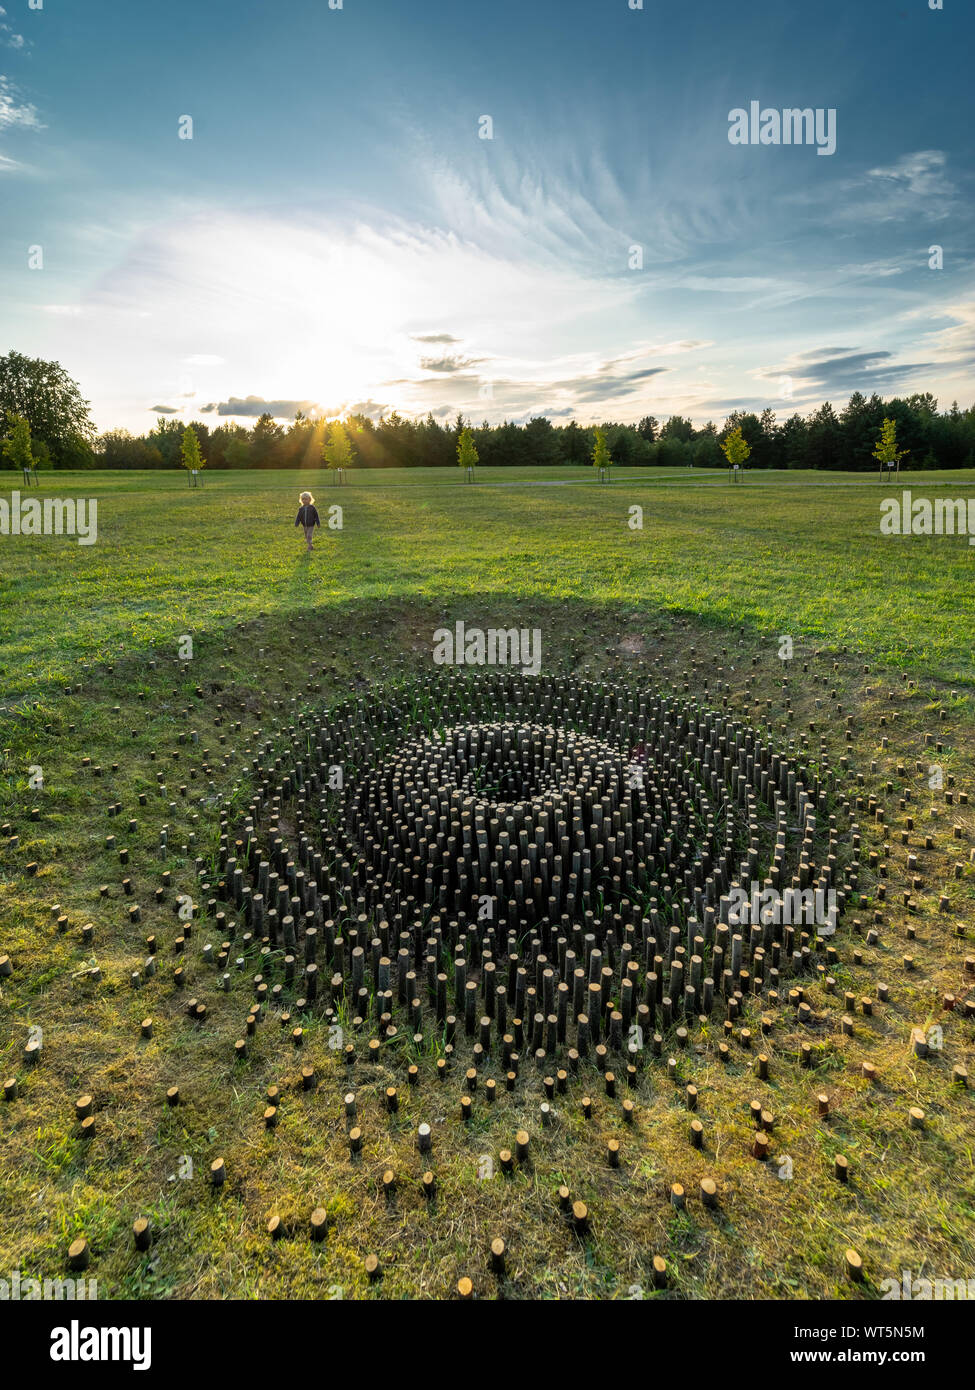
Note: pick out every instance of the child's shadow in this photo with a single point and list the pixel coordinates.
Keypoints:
(305, 582)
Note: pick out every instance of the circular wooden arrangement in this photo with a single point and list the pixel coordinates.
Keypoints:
(559, 864)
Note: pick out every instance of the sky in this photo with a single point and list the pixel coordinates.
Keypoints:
(504, 209)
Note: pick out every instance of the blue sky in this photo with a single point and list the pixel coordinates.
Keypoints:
(337, 235)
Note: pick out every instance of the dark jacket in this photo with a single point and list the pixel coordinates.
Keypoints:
(308, 516)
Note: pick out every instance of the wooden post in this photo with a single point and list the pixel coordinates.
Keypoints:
(79, 1254)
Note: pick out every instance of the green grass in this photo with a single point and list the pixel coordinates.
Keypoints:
(701, 596)
(774, 556)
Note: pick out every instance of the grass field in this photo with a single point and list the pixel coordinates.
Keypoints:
(695, 602)
(772, 557)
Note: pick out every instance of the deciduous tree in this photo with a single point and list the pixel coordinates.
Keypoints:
(736, 448)
(51, 403)
(190, 451)
(17, 443)
(467, 455)
(886, 450)
(600, 452)
(338, 448)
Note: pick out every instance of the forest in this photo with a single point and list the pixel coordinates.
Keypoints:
(829, 439)
(64, 436)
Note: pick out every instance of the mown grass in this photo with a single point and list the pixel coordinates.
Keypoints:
(698, 612)
(780, 556)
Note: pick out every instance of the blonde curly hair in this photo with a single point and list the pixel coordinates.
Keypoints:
(306, 499)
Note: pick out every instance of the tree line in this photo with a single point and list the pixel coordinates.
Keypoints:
(63, 436)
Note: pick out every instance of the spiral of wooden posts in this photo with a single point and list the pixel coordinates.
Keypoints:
(552, 861)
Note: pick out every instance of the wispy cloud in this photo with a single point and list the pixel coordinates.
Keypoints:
(345, 304)
(837, 371)
(253, 406)
(915, 186)
(445, 338)
(919, 175)
(440, 272)
(8, 37)
(447, 363)
(14, 112)
(952, 343)
(15, 115)
(371, 408)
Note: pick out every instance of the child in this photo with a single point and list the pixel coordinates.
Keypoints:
(308, 517)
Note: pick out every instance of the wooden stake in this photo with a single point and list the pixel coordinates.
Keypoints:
(79, 1254)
